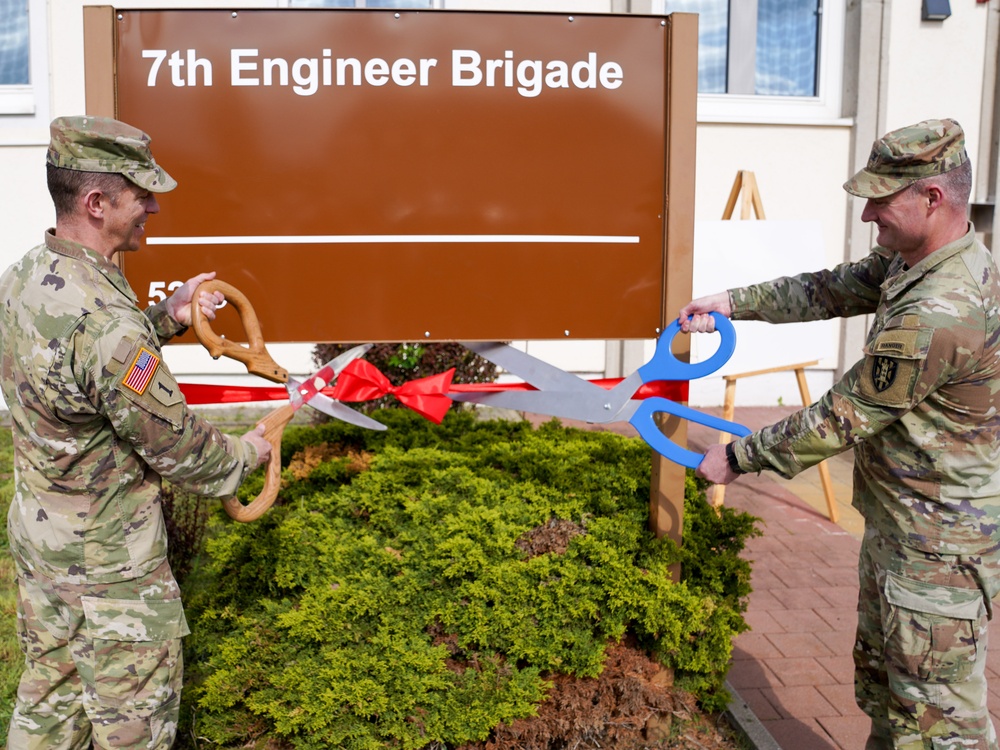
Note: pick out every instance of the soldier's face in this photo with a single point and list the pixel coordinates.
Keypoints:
(900, 218)
(125, 220)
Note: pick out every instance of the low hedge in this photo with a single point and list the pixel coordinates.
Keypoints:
(416, 588)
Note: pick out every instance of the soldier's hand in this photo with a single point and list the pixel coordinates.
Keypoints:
(715, 467)
(256, 438)
(694, 316)
(179, 303)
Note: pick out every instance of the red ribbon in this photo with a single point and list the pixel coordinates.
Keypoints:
(197, 394)
(362, 381)
(675, 390)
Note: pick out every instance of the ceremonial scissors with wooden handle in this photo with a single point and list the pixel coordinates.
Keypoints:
(562, 394)
(259, 362)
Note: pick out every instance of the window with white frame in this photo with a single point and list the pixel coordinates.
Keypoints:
(22, 43)
(767, 60)
(14, 44)
(15, 78)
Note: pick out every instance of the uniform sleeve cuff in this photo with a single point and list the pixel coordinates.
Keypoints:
(734, 464)
(164, 325)
(738, 303)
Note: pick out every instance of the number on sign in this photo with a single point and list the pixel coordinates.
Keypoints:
(158, 290)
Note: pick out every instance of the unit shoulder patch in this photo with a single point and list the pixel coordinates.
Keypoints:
(883, 373)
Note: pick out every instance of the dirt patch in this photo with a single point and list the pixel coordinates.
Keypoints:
(305, 461)
(552, 537)
(633, 705)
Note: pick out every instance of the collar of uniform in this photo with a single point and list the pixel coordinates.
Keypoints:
(897, 284)
(81, 252)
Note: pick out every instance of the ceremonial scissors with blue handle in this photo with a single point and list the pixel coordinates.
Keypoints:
(562, 394)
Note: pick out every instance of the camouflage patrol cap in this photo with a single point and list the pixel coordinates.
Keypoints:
(902, 157)
(100, 144)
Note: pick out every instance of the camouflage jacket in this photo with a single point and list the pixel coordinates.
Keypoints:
(97, 420)
(921, 408)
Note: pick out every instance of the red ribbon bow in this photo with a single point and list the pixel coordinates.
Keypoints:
(362, 381)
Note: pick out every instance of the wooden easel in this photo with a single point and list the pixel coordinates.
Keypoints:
(747, 184)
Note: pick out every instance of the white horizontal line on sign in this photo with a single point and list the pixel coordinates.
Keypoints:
(351, 239)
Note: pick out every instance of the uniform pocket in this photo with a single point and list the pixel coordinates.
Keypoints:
(137, 647)
(931, 631)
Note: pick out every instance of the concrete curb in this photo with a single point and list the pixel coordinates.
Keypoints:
(744, 721)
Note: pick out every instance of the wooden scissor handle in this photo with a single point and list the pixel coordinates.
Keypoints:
(274, 426)
(258, 362)
(255, 357)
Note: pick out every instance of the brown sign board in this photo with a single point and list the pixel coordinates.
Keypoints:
(370, 175)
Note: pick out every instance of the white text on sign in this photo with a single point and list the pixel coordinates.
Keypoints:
(305, 76)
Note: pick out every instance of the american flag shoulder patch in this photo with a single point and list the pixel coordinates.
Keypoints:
(143, 368)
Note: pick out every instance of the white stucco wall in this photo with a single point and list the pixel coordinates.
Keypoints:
(25, 207)
(936, 67)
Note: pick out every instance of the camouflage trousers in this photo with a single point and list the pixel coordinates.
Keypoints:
(102, 663)
(920, 654)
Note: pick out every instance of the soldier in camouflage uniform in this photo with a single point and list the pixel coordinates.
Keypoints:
(922, 411)
(97, 421)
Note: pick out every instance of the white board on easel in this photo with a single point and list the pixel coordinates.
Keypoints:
(730, 254)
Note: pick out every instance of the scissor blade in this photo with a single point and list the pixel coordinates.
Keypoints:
(595, 404)
(333, 408)
(311, 386)
(588, 407)
(530, 369)
(342, 360)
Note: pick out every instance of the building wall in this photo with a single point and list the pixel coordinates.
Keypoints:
(25, 207)
(936, 68)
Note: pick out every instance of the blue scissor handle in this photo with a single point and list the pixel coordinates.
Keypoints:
(665, 366)
(643, 421)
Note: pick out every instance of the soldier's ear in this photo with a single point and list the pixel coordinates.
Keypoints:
(94, 202)
(934, 196)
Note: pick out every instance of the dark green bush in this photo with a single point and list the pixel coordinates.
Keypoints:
(11, 657)
(186, 519)
(401, 607)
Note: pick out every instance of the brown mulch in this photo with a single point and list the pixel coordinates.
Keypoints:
(304, 461)
(633, 705)
(553, 537)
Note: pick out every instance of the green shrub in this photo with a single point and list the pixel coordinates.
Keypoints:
(425, 600)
